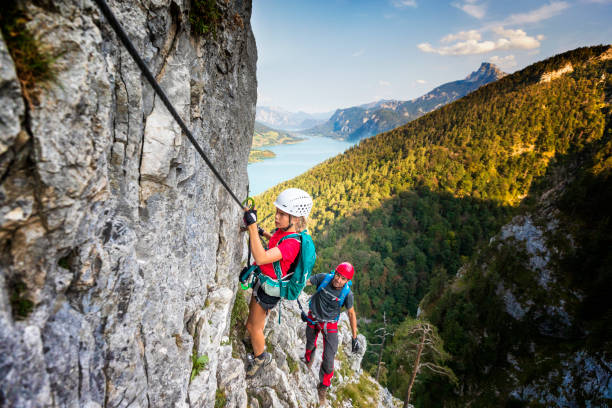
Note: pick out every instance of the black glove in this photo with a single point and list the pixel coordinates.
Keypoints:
(355, 347)
(250, 217)
(304, 317)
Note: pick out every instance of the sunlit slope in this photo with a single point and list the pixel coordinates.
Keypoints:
(528, 320)
(414, 202)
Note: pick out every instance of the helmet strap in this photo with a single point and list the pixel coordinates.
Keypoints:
(288, 226)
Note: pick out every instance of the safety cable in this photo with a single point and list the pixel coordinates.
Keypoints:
(160, 92)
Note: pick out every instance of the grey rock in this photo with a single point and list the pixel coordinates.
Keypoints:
(122, 242)
(11, 101)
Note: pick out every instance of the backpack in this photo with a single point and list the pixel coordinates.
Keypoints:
(346, 289)
(293, 283)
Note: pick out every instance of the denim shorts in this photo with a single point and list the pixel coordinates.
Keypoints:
(266, 301)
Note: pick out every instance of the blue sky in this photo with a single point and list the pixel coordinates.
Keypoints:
(317, 56)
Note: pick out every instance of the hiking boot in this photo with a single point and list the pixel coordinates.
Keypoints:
(308, 363)
(257, 363)
(322, 392)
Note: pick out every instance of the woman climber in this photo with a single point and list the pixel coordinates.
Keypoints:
(292, 209)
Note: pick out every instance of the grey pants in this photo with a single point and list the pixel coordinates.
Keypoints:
(330, 347)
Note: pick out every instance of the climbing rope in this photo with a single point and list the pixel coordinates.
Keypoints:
(112, 20)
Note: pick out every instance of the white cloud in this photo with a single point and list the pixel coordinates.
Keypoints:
(359, 53)
(472, 42)
(470, 7)
(503, 62)
(462, 35)
(404, 3)
(507, 39)
(516, 39)
(543, 13)
(384, 83)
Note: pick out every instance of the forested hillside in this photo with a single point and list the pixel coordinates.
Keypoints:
(409, 207)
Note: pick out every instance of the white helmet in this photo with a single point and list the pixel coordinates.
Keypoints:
(295, 202)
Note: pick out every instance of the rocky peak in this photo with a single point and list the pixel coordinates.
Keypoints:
(487, 72)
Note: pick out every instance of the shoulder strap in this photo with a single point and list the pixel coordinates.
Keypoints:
(325, 281)
(276, 264)
(290, 236)
(345, 291)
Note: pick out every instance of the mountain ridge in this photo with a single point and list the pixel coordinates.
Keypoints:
(369, 119)
(279, 118)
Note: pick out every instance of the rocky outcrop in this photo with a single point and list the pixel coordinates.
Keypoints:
(551, 76)
(288, 382)
(118, 245)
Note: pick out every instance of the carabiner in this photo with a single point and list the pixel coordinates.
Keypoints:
(249, 203)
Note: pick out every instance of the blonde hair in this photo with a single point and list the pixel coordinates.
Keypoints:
(300, 223)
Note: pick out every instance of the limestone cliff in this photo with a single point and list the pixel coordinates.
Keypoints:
(119, 249)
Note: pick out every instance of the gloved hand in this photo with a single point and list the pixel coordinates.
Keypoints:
(250, 217)
(304, 317)
(355, 347)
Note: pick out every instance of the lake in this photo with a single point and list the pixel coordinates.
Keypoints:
(292, 160)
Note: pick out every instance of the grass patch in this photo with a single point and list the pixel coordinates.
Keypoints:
(269, 344)
(345, 367)
(204, 17)
(240, 312)
(35, 65)
(220, 398)
(199, 364)
(361, 394)
(21, 305)
(293, 365)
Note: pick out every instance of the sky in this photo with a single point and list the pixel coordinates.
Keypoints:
(318, 56)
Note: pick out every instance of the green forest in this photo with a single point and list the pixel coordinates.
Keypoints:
(412, 207)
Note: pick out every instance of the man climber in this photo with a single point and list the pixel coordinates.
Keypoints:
(333, 292)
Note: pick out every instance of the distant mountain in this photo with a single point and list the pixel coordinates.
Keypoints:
(370, 119)
(281, 119)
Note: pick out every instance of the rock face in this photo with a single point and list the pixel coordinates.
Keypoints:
(119, 247)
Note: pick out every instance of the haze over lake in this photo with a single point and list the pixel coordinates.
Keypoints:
(292, 160)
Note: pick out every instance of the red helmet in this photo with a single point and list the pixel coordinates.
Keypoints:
(346, 269)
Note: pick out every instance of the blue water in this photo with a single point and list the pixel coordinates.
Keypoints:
(292, 160)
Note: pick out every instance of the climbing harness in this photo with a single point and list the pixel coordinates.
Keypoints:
(112, 20)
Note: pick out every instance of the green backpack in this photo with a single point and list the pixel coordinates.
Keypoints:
(293, 283)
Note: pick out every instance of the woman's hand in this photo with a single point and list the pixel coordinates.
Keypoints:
(250, 216)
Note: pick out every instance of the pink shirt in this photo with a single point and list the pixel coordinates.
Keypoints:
(289, 249)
